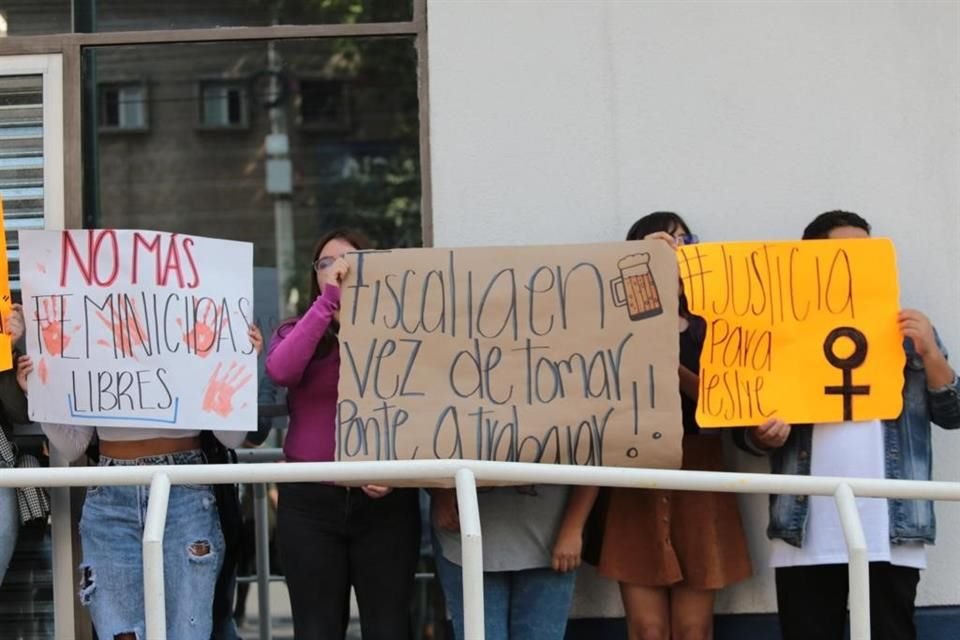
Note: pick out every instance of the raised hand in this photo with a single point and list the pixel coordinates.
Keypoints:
(24, 369)
(15, 324)
(335, 273)
(256, 338)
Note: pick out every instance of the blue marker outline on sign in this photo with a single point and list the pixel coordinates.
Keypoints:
(90, 416)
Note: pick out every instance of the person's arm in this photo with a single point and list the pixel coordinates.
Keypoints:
(290, 353)
(443, 509)
(943, 389)
(69, 439)
(568, 548)
(13, 398)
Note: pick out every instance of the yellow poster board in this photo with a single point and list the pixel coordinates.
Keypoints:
(805, 331)
(6, 353)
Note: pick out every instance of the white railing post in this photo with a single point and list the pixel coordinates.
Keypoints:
(61, 534)
(262, 533)
(858, 564)
(154, 603)
(471, 546)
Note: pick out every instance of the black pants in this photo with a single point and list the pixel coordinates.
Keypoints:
(812, 601)
(332, 538)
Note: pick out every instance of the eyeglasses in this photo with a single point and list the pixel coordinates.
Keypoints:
(687, 238)
(323, 263)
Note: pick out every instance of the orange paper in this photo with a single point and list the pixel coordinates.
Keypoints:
(6, 352)
(805, 331)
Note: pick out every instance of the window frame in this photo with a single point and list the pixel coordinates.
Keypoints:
(105, 85)
(242, 85)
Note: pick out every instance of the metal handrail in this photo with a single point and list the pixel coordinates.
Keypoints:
(464, 474)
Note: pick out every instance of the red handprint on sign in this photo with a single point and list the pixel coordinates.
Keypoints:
(128, 332)
(218, 398)
(51, 326)
(201, 338)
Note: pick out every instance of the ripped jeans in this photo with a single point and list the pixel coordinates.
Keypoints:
(111, 576)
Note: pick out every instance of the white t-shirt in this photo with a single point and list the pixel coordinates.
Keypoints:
(849, 450)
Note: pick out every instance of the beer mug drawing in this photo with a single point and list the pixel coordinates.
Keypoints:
(636, 289)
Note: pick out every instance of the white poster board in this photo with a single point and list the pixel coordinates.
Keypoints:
(139, 329)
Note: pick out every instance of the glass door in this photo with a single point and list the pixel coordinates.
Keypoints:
(31, 185)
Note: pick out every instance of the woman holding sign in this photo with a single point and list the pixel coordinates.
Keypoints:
(332, 537)
(111, 527)
(672, 550)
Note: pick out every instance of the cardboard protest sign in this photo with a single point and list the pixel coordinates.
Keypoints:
(139, 329)
(539, 354)
(806, 331)
(6, 353)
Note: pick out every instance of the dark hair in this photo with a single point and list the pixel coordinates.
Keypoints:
(358, 241)
(824, 223)
(657, 221)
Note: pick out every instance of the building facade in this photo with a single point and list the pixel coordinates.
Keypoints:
(492, 122)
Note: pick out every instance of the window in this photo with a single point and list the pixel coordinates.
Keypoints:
(123, 106)
(325, 105)
(21, 161)
(223, 105)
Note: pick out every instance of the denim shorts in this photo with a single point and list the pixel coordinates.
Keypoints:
(111, 534)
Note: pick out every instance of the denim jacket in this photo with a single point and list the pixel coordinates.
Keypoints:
(908, 456)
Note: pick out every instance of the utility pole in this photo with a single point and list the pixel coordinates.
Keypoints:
(279, 175)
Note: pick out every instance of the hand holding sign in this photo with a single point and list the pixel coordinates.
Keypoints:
(917, 327)
(15, 325)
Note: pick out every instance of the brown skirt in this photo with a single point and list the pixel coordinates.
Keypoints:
(657, 538)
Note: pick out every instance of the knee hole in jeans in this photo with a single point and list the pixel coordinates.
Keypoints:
(129, 635)
(200, 550)
(87, 584)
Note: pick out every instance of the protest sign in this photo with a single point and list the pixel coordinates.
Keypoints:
(563, 354)
(6, 353)
(805, 331)
(139, 329)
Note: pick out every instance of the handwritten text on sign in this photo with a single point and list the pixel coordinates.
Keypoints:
(139, 329)
(806, 331)
(540, 354)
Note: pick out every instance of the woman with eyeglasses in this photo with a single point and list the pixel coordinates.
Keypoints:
(330, 537)
(672, 550)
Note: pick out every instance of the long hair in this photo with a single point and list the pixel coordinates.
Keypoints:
(358, 241)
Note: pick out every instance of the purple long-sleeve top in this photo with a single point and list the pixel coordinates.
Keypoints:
(311, 381)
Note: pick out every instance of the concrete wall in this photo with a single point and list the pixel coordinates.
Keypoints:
(563, 121)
